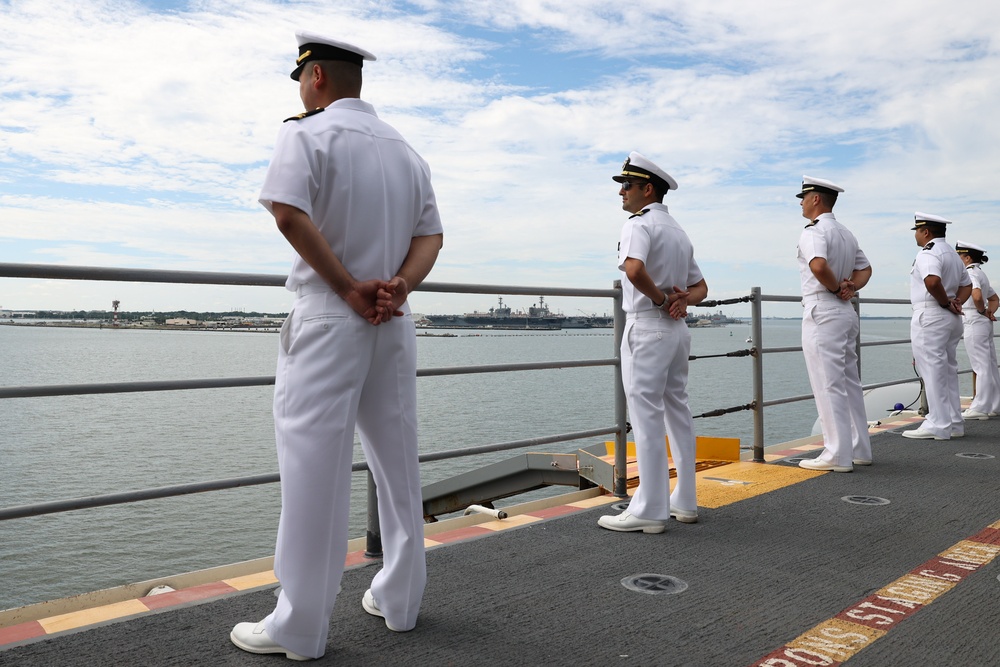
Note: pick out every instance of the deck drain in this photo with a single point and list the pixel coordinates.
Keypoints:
(654, 584)
(865, 500)
(974, 455)
(621, 507)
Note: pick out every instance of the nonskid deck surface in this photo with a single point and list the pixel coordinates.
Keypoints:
(793, 576)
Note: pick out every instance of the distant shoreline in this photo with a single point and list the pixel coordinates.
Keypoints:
(138, 327)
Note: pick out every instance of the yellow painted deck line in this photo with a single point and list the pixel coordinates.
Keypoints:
(252, 580)
(738, 481)
(597, 501)
(78, 619)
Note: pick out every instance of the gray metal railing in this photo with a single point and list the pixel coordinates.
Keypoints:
(618, 429)
(758, 351)
(50, 272)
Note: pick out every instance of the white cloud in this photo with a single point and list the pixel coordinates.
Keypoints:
(144, 137)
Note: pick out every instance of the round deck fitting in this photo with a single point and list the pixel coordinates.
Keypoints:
(974, 455)
(654, 584)
(865, 500)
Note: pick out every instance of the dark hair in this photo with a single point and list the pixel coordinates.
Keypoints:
(660, 187)
(342, 73)
(936, 230)
(828, 198)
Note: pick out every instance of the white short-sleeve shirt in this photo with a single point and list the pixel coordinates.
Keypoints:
(655, 238)
(835, 243)
(366, 190)
(937, 258)
(981, 282)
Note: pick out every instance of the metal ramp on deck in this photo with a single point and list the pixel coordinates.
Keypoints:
(589, 467)
(514, 476)
(597, 462)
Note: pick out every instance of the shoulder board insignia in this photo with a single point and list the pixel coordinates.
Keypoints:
(305, 114)
(929, 245)
(812, 224)
(640, 213)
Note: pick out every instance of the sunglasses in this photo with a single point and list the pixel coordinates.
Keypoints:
(627, 185)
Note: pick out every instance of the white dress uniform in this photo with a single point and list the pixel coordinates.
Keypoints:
(829, 331)
(654, 353)
(935, 332)
(369, 194)
(980, 346)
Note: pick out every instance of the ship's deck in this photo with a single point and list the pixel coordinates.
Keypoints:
(780, 570)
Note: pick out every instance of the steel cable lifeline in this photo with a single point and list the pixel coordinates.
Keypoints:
(722, 302)
(725, 411)
(735, 353)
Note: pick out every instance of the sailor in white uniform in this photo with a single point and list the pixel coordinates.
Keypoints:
(832, 269)
(660, 279)
(939, 285)
(979, 314)
(355, 202)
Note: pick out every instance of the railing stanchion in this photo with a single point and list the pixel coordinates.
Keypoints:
(373, 535)
(757, 343)
(621, 414)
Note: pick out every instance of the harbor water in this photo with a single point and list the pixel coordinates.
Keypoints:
(67, 447)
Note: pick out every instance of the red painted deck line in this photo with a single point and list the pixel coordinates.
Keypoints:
(460, 534)
(838, 639)
(204, 592)
(560, 510)
(193, 594)
(20, 632)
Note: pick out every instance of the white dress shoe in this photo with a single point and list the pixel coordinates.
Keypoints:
(817, 464)
(921, 434)
(371, 606)
(974, 414)
(960, 434)
(684, 516)
(253, 638)
(862, 462)
(626, 523)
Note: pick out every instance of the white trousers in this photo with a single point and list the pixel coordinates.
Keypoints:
(935, 333)
(829, 332)
(983, 358)
(654, 372)
(336, 371)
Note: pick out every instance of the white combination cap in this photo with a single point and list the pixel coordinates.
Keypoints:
(317, 47)
(810, 184)
(963, 246)
(924, 219)
(638, 167)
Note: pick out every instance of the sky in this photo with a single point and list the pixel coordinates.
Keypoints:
(136, 134)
